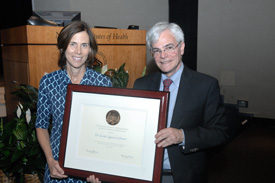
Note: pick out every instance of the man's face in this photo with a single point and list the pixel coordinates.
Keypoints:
(168, 61)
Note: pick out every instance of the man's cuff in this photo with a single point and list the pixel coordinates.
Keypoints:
(183, 142)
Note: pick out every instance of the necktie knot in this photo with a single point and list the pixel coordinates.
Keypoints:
(166, 84)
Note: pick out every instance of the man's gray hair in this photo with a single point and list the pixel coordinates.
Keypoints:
(153, 34)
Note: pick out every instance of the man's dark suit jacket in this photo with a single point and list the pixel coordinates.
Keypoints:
(199, 112)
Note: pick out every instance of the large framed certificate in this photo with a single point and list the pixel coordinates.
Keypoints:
(110, 133)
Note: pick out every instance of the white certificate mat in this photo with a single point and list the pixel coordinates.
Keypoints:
(112, 134)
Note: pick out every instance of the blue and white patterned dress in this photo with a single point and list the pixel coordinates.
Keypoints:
(51, 102)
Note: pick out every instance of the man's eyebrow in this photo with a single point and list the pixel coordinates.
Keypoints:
(169, 44)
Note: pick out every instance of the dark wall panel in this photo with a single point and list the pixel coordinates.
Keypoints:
(185, 14)
(12, 14)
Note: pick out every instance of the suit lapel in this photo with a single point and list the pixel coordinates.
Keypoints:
(183, 97)
(184, 92)
(155, 84)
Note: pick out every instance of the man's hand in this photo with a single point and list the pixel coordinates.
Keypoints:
(168, 136)
(55, 170)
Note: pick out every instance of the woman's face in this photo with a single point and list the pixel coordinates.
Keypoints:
(78, 50)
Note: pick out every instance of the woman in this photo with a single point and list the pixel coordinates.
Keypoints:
(78, 48)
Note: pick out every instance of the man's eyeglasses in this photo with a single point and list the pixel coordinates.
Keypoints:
(169, 49)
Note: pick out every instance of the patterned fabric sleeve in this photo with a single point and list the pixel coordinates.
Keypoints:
(43, 105)
(96, 79)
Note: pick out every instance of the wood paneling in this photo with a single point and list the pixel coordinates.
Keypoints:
(42, 59)
(30, 51)
(133, 56)
(15, 72)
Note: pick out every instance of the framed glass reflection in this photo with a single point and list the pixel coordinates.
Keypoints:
(109, 133)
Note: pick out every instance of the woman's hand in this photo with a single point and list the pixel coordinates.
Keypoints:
(92, 179)
(55, 170)
(44, 140)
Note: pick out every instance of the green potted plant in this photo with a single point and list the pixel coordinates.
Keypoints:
(119, 77)
(4, 154)
(20, 150)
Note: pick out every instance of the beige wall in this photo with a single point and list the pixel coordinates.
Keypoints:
(236, 45)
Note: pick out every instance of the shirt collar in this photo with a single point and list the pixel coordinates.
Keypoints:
(175, 77)
(68, 80)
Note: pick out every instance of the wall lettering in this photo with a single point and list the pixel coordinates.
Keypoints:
(113, 36)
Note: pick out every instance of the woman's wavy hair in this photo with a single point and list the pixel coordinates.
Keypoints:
(65, 37)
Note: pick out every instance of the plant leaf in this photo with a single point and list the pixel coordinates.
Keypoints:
(18, 154)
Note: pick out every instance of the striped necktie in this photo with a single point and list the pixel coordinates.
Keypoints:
(166, 84)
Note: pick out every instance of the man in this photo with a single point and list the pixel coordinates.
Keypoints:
(195, 116)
